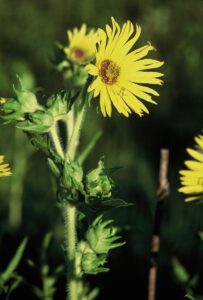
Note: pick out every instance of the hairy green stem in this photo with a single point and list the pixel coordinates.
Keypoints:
(69, 125)
(70, 233)
(74, 141)
(56, 140)
(70, 210)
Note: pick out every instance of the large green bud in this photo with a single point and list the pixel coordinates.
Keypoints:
(24, 102)
(14, 109)
(98, 182)
(59, 105)
(89, 262)
(91, 254)
(73, 176)
(102, 237)
(38, 122)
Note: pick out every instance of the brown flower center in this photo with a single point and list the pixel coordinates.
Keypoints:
(78, 53)
(109, 72)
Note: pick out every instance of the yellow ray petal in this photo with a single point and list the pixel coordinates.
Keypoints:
(195, 154)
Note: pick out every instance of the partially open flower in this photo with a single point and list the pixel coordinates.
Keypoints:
(82, 45)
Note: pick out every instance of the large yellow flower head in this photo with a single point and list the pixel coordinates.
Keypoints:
(81, 48)
(192, 178)
(121, 71)
(4, 168)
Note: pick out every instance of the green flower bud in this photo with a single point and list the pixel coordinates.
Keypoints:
(11, 110)
(98, 182)
(14, 109)
(59, 105)
(73, 176)
(87, 261)
(102, 238)
(39, 122)
(29, 102)
(91, 263)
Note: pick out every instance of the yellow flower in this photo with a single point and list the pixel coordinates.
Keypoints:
(121, 71)
(82, 45)
(4, 168)
(192, 178)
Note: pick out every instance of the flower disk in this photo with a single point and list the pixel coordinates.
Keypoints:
(120, 71)
(81, 47)
(4, 168)
(192, 178)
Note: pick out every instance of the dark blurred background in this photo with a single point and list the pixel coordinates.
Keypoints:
(29, 30)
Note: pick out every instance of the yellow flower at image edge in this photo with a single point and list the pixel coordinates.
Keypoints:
(82, 45)
(121, 73)
(4, 168)
(192, 178)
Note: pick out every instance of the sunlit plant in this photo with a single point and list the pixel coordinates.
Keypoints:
(95, 63)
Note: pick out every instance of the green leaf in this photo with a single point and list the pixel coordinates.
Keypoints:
(47, 241)
(93, 294)
(201, 235)
(189, 296)
(13, 264)
(18, 280)
(180, 272)
(53, 167)
(31, 263)
(100, 204)
(89, 147)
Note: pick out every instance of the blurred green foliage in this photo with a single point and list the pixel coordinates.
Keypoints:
(29, 30)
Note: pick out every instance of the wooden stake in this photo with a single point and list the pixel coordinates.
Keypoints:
(162, 193)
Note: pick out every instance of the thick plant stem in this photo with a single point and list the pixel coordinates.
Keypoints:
(70, 210)
(69, 125)
(74, 141)
(70, 233)
(56, 141)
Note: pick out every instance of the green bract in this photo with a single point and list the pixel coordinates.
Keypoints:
(101, 237)
(59, 105)
(72, 176)
(98, 183)
(14, 109)
(87, 261)
(38, 122)
(92, 253)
